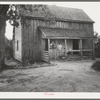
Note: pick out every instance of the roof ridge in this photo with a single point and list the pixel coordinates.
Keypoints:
(65, 7)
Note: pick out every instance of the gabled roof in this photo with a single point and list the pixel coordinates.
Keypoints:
(64, 33)
(59, 13)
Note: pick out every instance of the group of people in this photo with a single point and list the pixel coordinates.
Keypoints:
(54, 46)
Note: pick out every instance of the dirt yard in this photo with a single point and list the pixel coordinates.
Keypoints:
(69, 76)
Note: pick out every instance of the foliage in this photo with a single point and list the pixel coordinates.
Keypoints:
(13, 16)
(8, 49)
(97, 48)
(15, 12)
(96, 65)
(3, 13)
(43, 9)
(10, 12)
(4, 9)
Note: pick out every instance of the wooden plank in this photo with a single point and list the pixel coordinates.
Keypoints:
(31, 39)
(45, 51)
(73, 50)
(86, 49)
(45, 56)
(34, 41)
(48, 45)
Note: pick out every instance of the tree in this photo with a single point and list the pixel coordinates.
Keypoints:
(9, 12)
(3, 13)
(97, 44)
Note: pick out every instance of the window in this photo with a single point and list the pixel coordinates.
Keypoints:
(17, 45)
(46, 44)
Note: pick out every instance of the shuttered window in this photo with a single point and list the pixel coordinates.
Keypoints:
(17, 45)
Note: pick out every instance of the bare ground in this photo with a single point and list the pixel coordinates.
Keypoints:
(66, 76)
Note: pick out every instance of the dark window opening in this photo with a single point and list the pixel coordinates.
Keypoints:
(75, 44)
(17, 45)
(46, 45)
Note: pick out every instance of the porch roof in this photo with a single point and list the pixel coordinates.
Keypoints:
(65, 33)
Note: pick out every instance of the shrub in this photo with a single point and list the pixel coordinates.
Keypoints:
(8, 48)
(97, 51)
(96, 65)
(9, 52)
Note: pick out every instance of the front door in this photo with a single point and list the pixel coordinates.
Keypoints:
(75, 44)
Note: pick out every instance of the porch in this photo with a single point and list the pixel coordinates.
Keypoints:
(58, 45)
(55, 49)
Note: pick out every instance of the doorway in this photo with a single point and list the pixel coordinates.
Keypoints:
(75, 44)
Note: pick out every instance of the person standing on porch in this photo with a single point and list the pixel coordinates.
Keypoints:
(59, 49)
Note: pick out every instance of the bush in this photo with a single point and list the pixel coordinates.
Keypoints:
(97, 49)
(96, 65)
(8, 49)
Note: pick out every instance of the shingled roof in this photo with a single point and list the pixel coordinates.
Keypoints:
(64, 33)
(59, 13)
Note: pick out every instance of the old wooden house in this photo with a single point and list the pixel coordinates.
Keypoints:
(55, 33)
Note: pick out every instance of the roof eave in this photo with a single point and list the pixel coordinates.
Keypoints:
(58, 19)
(49, 37)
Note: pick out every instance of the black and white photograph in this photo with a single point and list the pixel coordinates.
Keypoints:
(50, 47)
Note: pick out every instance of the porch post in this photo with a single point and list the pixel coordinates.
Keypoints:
(65, 47)
(81, 47)
(48, 50)
(48, 44)
(55, 50)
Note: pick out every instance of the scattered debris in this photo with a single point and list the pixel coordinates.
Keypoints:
(13, 64)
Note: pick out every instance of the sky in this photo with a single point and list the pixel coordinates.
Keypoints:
(91, 8)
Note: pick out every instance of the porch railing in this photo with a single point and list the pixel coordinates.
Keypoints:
(89, 50)
(83, 52)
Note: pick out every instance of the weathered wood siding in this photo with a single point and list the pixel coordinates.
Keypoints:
(88, 27)
(32, 38)
(18, 43)
(31, 43)
(87, 43)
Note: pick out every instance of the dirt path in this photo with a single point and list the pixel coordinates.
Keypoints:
(67, 76)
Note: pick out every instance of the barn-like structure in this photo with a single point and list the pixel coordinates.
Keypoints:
(53, 33)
